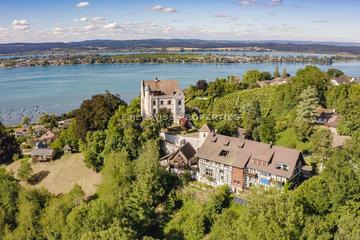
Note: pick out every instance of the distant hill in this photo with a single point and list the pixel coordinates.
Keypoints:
(315, 47)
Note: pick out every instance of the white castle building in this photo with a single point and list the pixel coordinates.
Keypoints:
(157, 94)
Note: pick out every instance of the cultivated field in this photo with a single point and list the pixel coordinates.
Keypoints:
(61, 175)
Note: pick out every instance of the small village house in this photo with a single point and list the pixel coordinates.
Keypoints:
(42, 154)
(273, 82)
(181, 160)
(21, 131)
(63, 124)
(337, 81)
(47, 137)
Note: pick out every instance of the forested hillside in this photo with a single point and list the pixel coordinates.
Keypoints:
(139, 199)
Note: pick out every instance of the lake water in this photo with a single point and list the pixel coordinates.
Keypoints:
(58, 89)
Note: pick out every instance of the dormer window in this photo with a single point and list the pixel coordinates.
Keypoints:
(224, 153)
(283, 167)
(226, 142)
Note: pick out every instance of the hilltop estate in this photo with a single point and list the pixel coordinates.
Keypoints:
(217, 159)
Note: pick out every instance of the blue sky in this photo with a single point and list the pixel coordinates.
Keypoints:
(68, 20)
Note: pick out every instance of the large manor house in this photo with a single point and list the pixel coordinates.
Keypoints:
(157, 94)
(216, 159)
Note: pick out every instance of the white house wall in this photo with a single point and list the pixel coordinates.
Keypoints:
(221, 173)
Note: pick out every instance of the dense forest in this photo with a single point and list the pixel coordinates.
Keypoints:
(139, 199)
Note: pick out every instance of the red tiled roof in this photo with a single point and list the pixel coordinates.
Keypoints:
(163, 87)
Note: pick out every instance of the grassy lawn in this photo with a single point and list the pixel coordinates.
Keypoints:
(198, 190)
(61, 175)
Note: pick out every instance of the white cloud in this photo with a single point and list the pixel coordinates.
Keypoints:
(112, 26)
(97, 19)
(20, 24)
(221, 15)
(276, 2)
(162, 9)
(247, 2)
(90, 27)
(83, 19)
(57, 30)
(3, 31)
(82, 4)
(268, 3)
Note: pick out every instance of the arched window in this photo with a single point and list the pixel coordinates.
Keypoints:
(154, 103)
(154, 111)
(179, 102)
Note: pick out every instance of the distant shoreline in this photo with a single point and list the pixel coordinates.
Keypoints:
(171, 58)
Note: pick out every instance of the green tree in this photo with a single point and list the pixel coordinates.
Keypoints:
(9, 189)
(276, 72)
(123, 132)
(96, 216)
(320, 142)
(49, 121)
(53, 218)
(218, 201)
(188, 223)
(165, 118)
(151, 186)
(266, 76)
(25, 170)
(95, 113)
(251, 77)
(227, 225)
(117, 179)
(313, 77)
(201, 85)
(306, 112)
(116, 231)
(226, 127)
(251, 116)
(25, 120)
(150, 130)
(66, 137)
(8, 146)
(265, 132)
(30, 205)
(333, 72)
(93, 149)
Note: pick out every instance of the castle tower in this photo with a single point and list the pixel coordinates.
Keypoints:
(204, 132)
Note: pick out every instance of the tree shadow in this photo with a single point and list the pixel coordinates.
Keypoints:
(38, 177)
